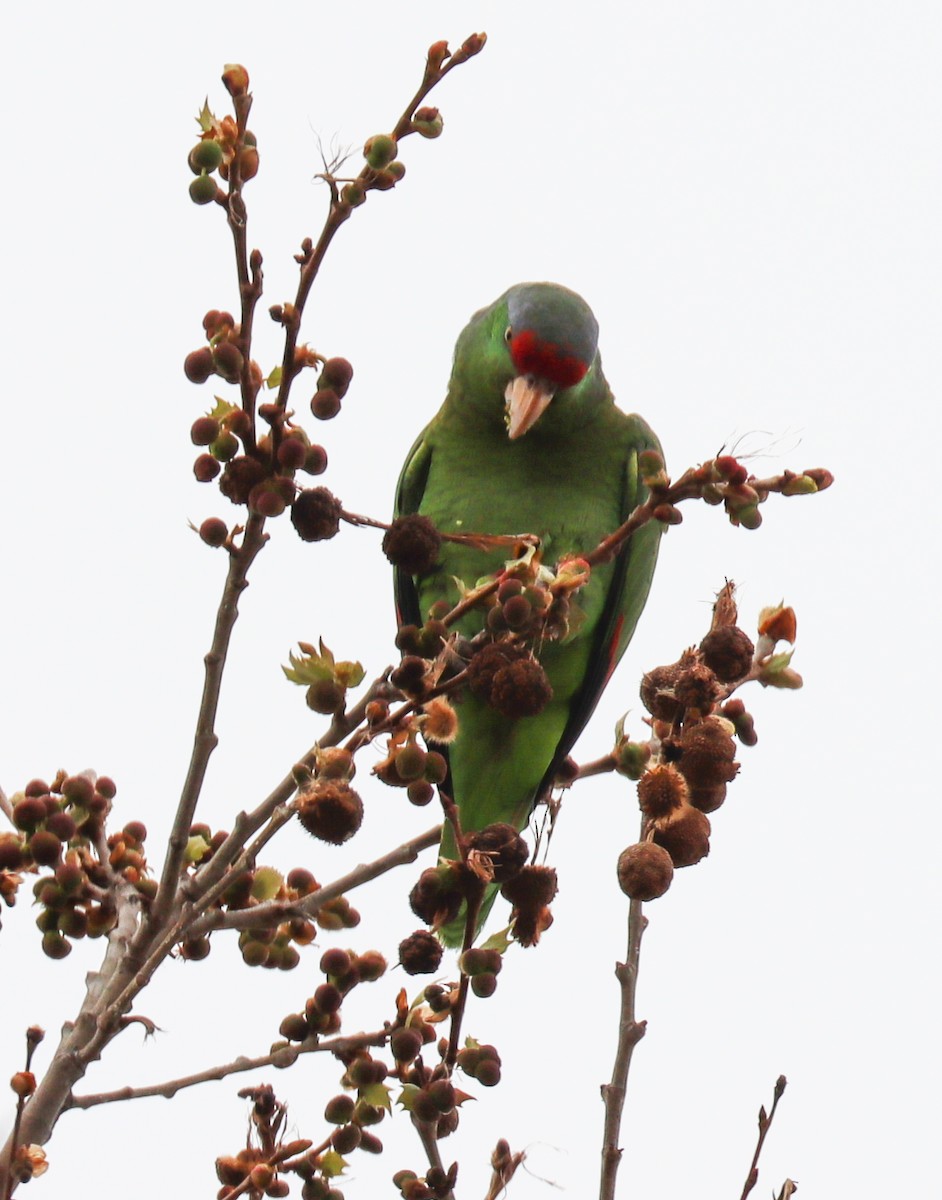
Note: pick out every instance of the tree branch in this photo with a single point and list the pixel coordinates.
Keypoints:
(281, 1058)
(765, 1123)
(630, 1032)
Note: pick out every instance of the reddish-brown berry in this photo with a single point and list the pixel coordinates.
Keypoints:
(214, 532)
(198, 365)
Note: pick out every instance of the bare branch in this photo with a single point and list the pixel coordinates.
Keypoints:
(278, 910)
(765, 1123)
(281, 1058)
(630, 1032)
(205, 740)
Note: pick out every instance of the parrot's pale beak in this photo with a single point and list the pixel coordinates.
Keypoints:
(527, 398)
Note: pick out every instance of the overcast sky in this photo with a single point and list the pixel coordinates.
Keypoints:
(748, 195)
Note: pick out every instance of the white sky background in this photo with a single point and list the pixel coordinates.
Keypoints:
(748, 195)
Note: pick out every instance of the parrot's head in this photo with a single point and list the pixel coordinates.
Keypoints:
(552, 340)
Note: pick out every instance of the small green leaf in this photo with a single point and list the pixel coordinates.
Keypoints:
(222, 409)
(620, 728)
(196, 848)
(407, 1096)
(332, 1164)
(498, 941)
(376, 1094)
(267, 883)
(206, 120)
(274, 378)
(350, 674)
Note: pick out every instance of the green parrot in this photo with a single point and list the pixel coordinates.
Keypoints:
(529, 441)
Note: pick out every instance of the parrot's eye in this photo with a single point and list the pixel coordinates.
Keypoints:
(508, 334)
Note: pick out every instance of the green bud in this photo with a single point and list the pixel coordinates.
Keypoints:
(203, 189)
(380, 150)
(206, 155)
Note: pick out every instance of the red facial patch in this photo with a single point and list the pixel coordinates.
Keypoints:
(546, 360)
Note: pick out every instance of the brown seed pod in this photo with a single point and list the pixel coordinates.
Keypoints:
(707, 752)
(685, 836)
(412, 543)
(696, 689)
(504, 847)
(241, 475)
(330, 810)
(532, 887)
(661, 790)
(521, 689)
(708, 799)
(420, 953)
(645, 871)
(657, 692)
(728, 652)
(315, 514)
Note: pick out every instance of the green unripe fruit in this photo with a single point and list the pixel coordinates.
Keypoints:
(294, 1027)
(410, 762)
(353, 195)
(428, 122)
(325, 696)
(396, 170)
(380, 150)
(254, 954)
(206, 155)
(225, 447)
(203, 189)
(55, 945)
(436, 767)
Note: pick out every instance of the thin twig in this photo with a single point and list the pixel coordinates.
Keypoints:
(281, 1058)
(765, 1123)
(205, 740)
(630, 1032)
(5, 806)
(276, 911)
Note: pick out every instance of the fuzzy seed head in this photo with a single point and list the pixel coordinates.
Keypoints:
(315, 514)
(420, 953)
(660, 791)
(330, 810)
(727, 651)
(412, 543)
